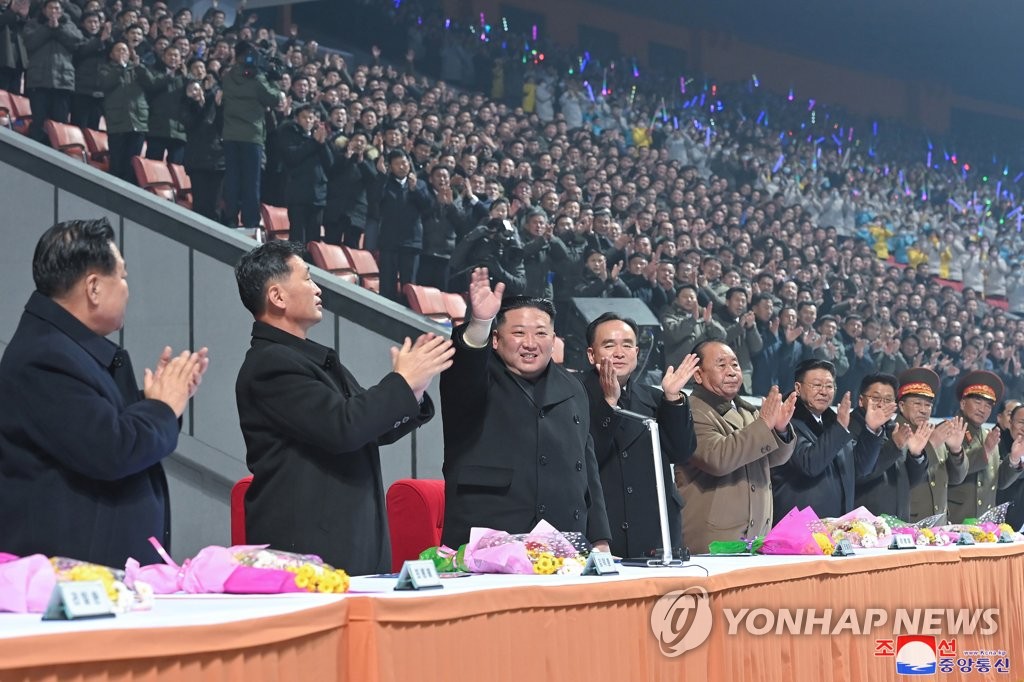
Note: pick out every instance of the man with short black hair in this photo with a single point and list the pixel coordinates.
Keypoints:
(311, 431)
(517, 444)
(80, 444)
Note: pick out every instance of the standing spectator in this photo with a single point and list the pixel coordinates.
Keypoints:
(51, 40)
(247, 95)
(90, 57)
(13, 55)
(307, 158)
(166, 97)
(740, 332)
(124, 82)
(685, 325)
(443, 224)
(400, 199)
(203, 117)
(349, 178)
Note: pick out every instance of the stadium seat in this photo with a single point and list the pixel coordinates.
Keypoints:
(68, 139)
(332, 258)
(366, 267)
(415, 517)
(5, 104)
(275, 222)
(427, 301)
(238, 510)
(99, 148)
(182, 185)
(455, 305)
(154, 177)
(21, 112)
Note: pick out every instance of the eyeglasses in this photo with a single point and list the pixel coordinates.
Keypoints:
(884, 399)
(821, 388)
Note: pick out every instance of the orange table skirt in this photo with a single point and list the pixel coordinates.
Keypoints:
(595, 629)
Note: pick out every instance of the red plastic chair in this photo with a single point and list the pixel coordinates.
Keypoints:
(366, 266)
(332, 258)
(99, 148)
(154, 177)
(182, 185)
(415, 517)
(275, 222)
(238, 510)
(67, 139)
(427, 301)
(455, 305)
(21, 111)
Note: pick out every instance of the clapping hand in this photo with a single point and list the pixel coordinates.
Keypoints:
(1017, 451)
(175, 379)
(877, 414)
(956, 433)
(484, 301)
(676, 378)
(775, 412)
(421, 361)
(919, 439)
(900, 435)
(610, 386)
(843, 411)
(992, 440)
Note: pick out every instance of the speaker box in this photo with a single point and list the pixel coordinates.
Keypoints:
(586, 310)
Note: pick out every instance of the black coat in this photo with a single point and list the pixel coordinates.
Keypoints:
(90, 57)
(347, 184)
(166, 97)
(516, 452)
(204, 149)
(312, 435)
(823, 470)
(886, 489)
(80, 447)
(397, 209)
(623, 450)
(306, 163)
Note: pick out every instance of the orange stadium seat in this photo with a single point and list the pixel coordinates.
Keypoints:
(332, 258)
(455, 305)
(366, 266)
(182, 185)
(99, 149)
(68, 139)
(22, 112)
(427, 301)
(154, 177)
(275, 221)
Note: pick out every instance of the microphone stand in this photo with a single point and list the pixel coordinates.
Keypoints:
(666, 560)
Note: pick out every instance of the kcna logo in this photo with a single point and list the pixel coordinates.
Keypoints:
(681, 620)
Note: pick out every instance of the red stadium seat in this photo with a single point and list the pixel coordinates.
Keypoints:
(426, 301)
(275, 221)
(332, 258)
(154, 177)
(366, 266)
(22, 112)
(68, 139)
(455, 305)
(99, 149)
(238, 510)
(182, 185)
(415, 517)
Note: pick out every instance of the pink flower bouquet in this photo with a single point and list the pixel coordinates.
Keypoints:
(794, 534)
(543, 550)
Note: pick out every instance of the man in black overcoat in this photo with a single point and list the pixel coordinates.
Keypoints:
(311, 431)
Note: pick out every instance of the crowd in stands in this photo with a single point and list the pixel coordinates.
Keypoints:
(790, 229)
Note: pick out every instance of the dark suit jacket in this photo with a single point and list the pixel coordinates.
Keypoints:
(824, 466)
(886, 488)
(516, 452)
(80, 447)
(623, 450)
(311, 435)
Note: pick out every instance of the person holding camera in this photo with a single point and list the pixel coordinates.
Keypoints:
(494, 246)
(247, 95)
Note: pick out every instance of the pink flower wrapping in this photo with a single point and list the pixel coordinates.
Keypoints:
(793, 534)
(26, 584)
(495, 551)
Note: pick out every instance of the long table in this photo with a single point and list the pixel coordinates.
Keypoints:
(544, 627)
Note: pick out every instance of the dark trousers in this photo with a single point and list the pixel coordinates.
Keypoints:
(433, 272)
(47, 105)
(86, 111)
(397, 268)
(157, 147)
(206, 186)
(243, 163)
(10, 79)
(304, 222)
(123, 146)
(343, 231)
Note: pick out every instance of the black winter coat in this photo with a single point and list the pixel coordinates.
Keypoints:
(347, 183)
(398, 210)
(204, 148)
(306, 163)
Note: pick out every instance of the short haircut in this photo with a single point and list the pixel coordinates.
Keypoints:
(733, 291)
(1016, 410)
(880, 378)
(68, 251)
(610, 317)
(759, 297)
(258, 267)
(515, 302)
(701, 347)
(813, 363)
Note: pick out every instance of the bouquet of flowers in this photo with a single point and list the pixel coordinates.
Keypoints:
(544, 551)
(860, 527)
(798, 532)
(242, 569)
(27, 582)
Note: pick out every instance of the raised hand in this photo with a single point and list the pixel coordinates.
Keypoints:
(708, 312)
(1017, 450)
(793, 333)
(175, 380)
(676, 378)
(616, 269)
(785, 413)
(485, 302)
(919, 439)
(900, 435)
(992, 440)
(956, 434)
(771, 406)
(876, 415)
(610, 385)
(941, 433)
(843, 411)
(421, 361)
